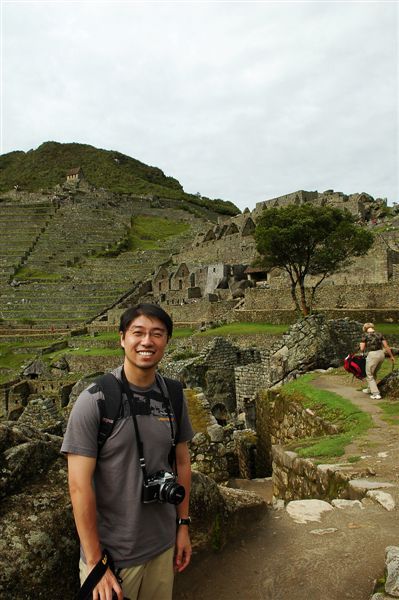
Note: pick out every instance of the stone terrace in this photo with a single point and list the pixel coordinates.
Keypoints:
(21, 225)
(76, 230)
(63, 276)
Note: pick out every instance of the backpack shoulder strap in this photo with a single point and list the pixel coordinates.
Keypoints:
(110, 406)
(175, 394)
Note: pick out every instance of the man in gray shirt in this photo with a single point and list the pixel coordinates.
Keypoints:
(148, 541)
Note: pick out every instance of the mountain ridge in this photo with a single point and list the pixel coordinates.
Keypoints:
(46, 167)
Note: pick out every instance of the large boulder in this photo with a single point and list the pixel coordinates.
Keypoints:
(38, 540)
(389, 386)
(37, 368)
(314, 342)
(43, 414)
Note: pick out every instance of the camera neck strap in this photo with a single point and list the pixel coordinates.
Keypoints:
(85, 592)
(132, 402)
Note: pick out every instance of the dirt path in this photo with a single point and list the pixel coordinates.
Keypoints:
(279, 559)
(378, 448)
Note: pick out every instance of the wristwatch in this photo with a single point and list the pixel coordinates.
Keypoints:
(186, 521)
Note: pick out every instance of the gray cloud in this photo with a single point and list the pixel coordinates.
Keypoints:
(242, 101)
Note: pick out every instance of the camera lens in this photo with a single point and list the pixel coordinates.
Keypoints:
(172, 492)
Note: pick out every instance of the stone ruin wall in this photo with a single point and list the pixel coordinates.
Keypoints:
(355, 203)
(202, 310)
(299, 197)
(189, 279)
(380, 266)
(296, 478)
(311, 343)
(232, 249)
(233, 375)
(329, 296)
(184, 314)
(376, 267)
(280, 420)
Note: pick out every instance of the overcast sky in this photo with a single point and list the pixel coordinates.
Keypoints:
(243, 101)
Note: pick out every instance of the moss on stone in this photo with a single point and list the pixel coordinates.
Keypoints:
(248, 437)
(199, 417)
(216, 538)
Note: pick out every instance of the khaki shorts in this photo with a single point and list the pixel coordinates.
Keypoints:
(151, 581)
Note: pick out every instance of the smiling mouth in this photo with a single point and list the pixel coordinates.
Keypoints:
(142, 353)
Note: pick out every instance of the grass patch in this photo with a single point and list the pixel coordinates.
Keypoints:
(149, 233)
(101, 337)
(19, 346)
(349, 419)
(391, 412)
(182, 332)
(28, 273)
(14, 355)
(12, 360)
(246, 329)
(82, 352)
(184, 355)
(353, 459)
(97, 351)
(386, 367)
(388, 328)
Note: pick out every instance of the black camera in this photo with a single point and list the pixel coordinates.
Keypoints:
(162, 487)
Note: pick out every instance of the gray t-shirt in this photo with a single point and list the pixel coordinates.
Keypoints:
(133, 532)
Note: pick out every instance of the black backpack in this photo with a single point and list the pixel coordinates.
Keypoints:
(355, 364)
(111, 405)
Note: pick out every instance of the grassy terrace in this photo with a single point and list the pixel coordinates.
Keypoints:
(350, 420)
(391, 412)
(150, 233)
(234, 329)
(13, 355)
(33, 273)
(68, 285)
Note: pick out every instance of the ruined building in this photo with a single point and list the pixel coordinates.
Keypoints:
(215, 279)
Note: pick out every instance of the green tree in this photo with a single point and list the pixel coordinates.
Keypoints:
(309, 240)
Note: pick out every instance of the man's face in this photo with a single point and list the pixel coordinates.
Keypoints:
(144, 342)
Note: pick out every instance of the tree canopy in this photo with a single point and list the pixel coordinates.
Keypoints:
(309, 240)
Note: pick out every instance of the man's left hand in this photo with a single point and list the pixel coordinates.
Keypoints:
(182, 549)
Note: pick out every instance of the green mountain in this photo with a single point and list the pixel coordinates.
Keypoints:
(48, 165)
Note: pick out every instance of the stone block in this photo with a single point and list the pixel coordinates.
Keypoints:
(392, 565)
(382, 498)
(358, 488)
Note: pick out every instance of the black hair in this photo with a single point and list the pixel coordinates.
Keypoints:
(148, 310)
